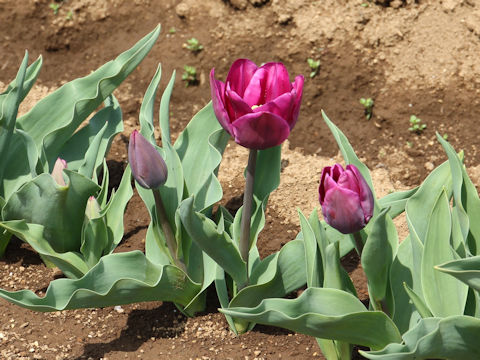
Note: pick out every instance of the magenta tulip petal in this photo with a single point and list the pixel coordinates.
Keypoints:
(347, 201)
(341, 210)
(365, 193)
(277, 81)
(255, 91)
(298, 87)
(240, 74)
(257, 94)
(148, 167)
(217, 89)
(236, 106)
(260, 130)
(280, 106)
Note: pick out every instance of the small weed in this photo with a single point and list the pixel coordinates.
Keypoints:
(368, 105)
(189, 75)
(314, 67)
(172, 30)
(55, 7)
(193, 45)
(416, 125)
(445, 136)
(69, 15)
(409, 144)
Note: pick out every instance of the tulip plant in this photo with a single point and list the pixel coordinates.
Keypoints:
(31, 144)
(417, 310)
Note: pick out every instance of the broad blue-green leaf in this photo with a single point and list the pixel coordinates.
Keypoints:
(147, 127)
(466, 270)
(402, 271)
(71, 263)
(94, 241)
(218, 245)
(324, 313)
(121, 278)
(335, 276)
(444, 295)
(116, 208)
(10, 102)
(313, 260)
(396, 201)
(31, 75)
(419, 205)
(165, 110)
(347, 151)
(55, 118)
(377, 258)
(420, 306)
(322, 243)
(222, 293)
(60, 209)
(455, 337)
(200, 147)
(88, 147)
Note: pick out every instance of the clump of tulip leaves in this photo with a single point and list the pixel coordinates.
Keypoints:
(423, 292)
(68, 218)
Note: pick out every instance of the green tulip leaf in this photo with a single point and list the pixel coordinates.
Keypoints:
(466, 270)
(396, 201)
(60, 209)
(324, 313)
(118, 279)
(402, 272)
(55, 118)
(218, 245)
(147, 128)
(335, 275)
(29, 80)
(313, 260)
(377, 259)
(443, 294)
(421, 307)
(165, 111)
(454, 337)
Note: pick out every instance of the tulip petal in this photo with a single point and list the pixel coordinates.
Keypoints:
(217, 89)
(236, 106)
(348, 180)
(321, 189)
(277, 81)
(365, 193)
(255, 91)
(298, 91)
(281, 106)
(342, 211)
(240, 74)
(260, 130)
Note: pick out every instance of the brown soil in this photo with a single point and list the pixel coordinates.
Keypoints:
(411, 57)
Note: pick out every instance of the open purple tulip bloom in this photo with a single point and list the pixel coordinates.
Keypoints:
(148, 167)
(258, 106)
(346, 198)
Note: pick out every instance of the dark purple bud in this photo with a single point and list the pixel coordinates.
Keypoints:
(148, 167)
(346, 199)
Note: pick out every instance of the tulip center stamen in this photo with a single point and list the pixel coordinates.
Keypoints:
(255, 106)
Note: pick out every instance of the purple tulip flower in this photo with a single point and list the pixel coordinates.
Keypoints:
(148, 167)
(258, 106)
(346, 198)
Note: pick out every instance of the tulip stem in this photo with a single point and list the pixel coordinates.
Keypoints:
(358, 242)
(167, 230)
(247, 208)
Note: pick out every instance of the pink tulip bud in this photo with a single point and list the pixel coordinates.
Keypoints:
(92, 211)
(148, 167)
(57, 172)
(346, 199)
(258, 106)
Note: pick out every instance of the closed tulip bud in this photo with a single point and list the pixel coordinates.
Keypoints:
(57, 172)
(92, 211)
(148, 167)
(346, 199)
(257, 106)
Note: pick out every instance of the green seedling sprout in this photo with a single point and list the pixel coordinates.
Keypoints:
(416, 125)
(193, 45)
(314, 67)
(69, 15)
(189, 75)
(172, 30)
(368, 104)
(54, 7)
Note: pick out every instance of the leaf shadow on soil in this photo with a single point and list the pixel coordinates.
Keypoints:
(163, 321)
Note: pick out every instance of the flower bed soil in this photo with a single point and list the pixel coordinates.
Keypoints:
(413, 58)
